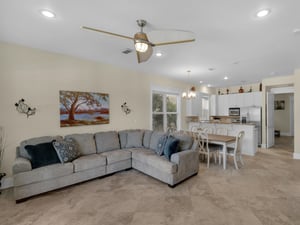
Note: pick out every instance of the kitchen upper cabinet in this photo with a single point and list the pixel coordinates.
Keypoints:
(223, 105)
(250, 99)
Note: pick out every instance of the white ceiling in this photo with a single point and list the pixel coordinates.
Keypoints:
(229, 37)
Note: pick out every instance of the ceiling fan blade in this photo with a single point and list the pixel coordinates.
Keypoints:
(174, 42)
(144, 56)
(106, 32)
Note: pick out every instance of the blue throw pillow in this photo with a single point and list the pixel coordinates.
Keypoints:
(42, 154)
(171, 147)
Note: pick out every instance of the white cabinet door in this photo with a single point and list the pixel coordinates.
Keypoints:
(257, 99)
(213, 105)
(223, 105)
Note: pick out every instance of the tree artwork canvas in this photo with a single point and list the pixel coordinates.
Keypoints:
(83, 108)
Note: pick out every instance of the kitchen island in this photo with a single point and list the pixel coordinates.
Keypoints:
(250, 140)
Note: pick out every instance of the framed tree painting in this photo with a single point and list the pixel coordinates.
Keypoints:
(83, 108)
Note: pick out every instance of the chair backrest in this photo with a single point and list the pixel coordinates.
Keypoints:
(238, 142)
(203, 141)
(222, 130)
(208, 130)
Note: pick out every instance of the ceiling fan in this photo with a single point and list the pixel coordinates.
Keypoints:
(143, 47)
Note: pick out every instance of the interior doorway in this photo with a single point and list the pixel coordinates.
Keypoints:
(281, 119)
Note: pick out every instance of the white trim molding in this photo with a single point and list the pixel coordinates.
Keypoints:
(296, 155)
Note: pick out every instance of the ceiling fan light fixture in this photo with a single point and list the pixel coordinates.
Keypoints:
(141, 46)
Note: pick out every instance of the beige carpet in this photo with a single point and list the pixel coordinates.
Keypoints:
(265, 191)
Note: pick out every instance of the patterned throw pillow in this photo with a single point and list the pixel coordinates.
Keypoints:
(161, 145)
(67, 150)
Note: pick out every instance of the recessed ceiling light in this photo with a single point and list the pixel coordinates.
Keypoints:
(296, 31)
(158, 54)
(225, 78)
(263, 13)
(208, 85)
(47, 13)
(200, 81)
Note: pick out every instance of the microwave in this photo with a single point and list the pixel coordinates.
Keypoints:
(234, 111)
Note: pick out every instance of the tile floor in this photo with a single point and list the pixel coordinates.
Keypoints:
(266, 191)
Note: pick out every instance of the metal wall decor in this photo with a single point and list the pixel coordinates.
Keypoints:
(125, 108)
(22, 107)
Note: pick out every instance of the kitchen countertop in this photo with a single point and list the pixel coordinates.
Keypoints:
(232, 123)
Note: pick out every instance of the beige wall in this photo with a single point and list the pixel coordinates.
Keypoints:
(296, 113)
(37, 76)
(282, 117)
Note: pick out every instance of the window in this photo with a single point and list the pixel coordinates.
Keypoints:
(164, 111)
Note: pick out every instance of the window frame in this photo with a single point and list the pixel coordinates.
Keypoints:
(165, 92)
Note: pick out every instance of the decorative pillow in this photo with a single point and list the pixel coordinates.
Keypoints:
(171, 147)
(42, 154)
(67, 150)
(161, 144)
(156, 135)
(185, 141)
(134, 139)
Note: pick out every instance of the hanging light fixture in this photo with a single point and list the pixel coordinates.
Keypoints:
(191, 92)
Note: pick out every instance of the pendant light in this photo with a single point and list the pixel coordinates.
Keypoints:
(191, 92)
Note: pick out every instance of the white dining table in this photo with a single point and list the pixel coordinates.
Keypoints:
(222, 140)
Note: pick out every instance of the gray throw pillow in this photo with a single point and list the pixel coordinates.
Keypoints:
(134, 139)
(67, 150)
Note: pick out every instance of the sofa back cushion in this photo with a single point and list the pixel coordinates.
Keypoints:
(155, 137)
(123, 137)
(34, 141)
(134, 139)
(147, 138)
(185, 141)
(86, 143)
(107, 141)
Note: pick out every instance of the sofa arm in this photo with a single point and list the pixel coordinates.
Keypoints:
(21, 165)
(187, 161)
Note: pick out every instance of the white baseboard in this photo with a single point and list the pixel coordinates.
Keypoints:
(6, 182)
(296, 155)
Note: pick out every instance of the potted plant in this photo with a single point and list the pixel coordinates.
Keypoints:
(2, 148)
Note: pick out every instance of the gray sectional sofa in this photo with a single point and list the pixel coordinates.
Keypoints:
(101, 154)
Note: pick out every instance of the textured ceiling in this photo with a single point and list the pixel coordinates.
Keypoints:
(230, 40)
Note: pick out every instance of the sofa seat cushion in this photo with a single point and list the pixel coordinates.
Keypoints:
(43, 173)
(107, 141)
(116, 156)
(150, 158)
(86, 143)
(89, 162)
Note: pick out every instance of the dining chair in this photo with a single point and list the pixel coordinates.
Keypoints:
(209, 130)
(235, 151)
(206, 149)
